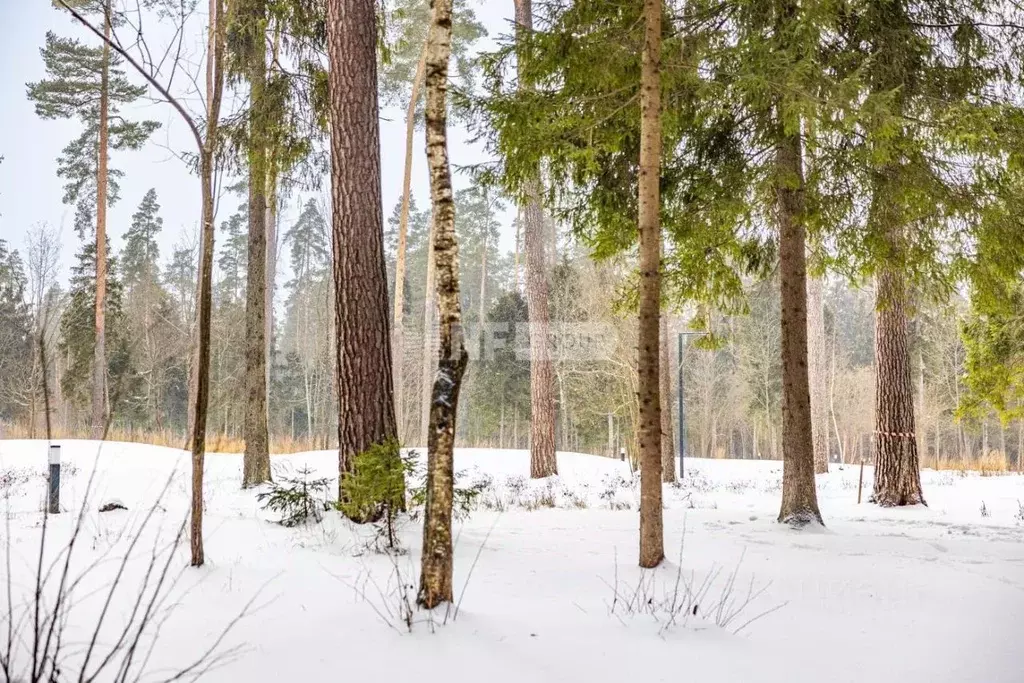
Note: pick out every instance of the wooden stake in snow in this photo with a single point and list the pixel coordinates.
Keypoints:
(860, 482)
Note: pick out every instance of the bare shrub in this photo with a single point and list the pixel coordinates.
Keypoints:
(675, 603)
(394, 601)
(46, 640)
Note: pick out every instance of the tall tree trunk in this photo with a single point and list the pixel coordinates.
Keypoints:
(897, 471)
(1002, 443)
(273, 170)
(482, 311)
(256, 459)
(436, 568)
(817, 371)
(832, 401)
(429, 337)
(366, 409)
(543, 462)
(271, 279)
(668, 462)
(398, 330)
(799, 496)
(214, 92)
(1020, 443)
(99, 361)
(515, 266)
(652, 542)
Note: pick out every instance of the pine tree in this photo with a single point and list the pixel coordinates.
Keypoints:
(86, 83)
(363, 353)
(543, 462)
(913, 65)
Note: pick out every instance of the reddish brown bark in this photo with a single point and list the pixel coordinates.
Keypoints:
(897, 470)
(543, 462)
(398, 331)
(99, 361)
(366, 410)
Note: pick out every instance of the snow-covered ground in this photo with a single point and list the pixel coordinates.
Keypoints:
(930, 594)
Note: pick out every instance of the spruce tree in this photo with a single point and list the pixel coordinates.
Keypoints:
(78, 338)
(148, 309)
(16, 348)
(302, 341)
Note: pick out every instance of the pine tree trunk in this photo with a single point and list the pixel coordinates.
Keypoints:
(436, 571)
(482, 311)
(832, 401)
(256, 459)
(214, 91)
(515, 266)
(817, 368)
(1020, 443)
(668, 462)
(398, 331)
(922, 403)
(273, 166)
(99, 362)
(543, 462)
(366, 409)
(271, 280)
(429, 337)
(897, 472)
(799, 495)
(652, 543)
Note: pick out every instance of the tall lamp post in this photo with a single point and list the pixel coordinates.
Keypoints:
(682, 405)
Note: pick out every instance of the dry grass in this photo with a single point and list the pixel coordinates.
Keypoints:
(993, 463)
(215, 442)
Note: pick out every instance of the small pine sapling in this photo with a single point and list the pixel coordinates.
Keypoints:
(297, 499)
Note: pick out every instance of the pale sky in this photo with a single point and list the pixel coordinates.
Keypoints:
(30, 191)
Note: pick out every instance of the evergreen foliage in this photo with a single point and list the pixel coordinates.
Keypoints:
(406, 33)
(78, 334)
(374, 490)
(71, 90)
(298, 500)
(16, 347)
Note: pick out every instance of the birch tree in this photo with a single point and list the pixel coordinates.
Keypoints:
(436, 571)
